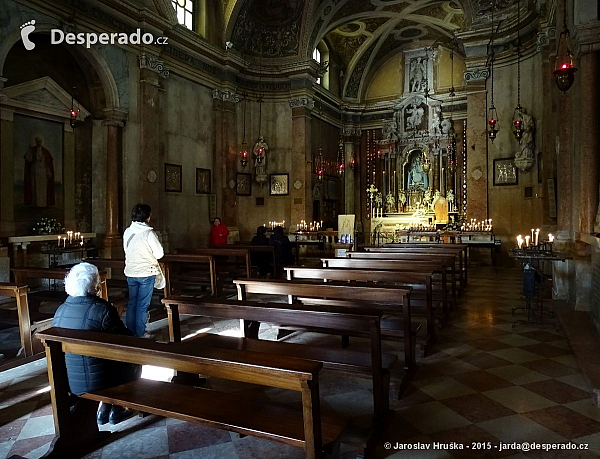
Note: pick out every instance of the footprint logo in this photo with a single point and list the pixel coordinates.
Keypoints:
(26, 29)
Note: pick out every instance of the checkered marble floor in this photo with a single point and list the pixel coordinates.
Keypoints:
(485, 382)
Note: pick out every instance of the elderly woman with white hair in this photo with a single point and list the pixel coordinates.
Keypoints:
(85, 310)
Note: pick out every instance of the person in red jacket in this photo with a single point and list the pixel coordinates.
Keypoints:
(218, 233)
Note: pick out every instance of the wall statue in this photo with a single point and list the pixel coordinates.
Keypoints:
(525, 156)
(261, 175)
(418, 80)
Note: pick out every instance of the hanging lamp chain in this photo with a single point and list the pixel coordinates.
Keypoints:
(519, 54)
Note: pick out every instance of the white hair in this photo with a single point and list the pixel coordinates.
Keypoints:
(82, 279)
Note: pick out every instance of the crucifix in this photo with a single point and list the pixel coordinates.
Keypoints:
(371, 192)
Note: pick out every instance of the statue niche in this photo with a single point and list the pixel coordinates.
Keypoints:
(415, 178)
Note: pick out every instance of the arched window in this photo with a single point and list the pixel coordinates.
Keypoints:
(321, 55)
(186, 11)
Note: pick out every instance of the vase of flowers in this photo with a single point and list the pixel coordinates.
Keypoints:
(48, 226)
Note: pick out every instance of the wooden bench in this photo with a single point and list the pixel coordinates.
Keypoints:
(321, 297)
(381, 279)
(356, 322)
(458, 251)
(224, 251)
(22, 275)
(78, 434)
(19, 292)
(261, 249)
(462, 247)
(440, 281)
(445, 262)
(166, 263)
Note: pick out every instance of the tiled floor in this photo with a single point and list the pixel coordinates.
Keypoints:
(484, 382)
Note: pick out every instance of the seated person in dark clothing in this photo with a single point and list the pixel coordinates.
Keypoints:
(283, 248)
(85, 310)
(261, 259)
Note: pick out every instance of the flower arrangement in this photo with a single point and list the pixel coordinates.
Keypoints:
(48, 226)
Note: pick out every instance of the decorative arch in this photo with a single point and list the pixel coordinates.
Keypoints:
(96, 60)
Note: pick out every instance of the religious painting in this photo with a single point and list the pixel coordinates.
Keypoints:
(505, 172)
(202, 181)
(243, 184)
(173, 180)
(279, 184)
(38, 160)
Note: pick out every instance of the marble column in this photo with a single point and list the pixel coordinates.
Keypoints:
(7, 218)
(302, 166)
(151, 148)
(225, 154)
(113, 137)
(589, 139)
(547, 152)
(477, 173)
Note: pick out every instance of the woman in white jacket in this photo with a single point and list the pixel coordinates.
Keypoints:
(142, 252)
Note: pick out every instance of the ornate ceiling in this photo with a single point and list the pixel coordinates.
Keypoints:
(362, 33)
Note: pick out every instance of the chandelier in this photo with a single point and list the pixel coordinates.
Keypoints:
(492, 113)
(74, 116)
(244, 146)
(564, 68)
(340, 159)
(518, 128)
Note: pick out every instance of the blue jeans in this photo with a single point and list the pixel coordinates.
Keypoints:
(140, 295)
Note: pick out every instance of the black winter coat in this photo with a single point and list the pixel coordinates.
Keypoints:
(89, 373)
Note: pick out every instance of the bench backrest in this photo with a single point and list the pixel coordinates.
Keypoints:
(379, 264)
(416, 257)
(243, 366)
(423, 244)
(22, 274)
(312, 290)
(19, 292)
(336, 318)
(360, 275)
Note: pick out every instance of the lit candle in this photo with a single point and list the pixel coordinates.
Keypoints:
(537, 236)
(64, 242)
(532, 235)
(520, 241)
(550, 238)
(59, 241)
(527, 241)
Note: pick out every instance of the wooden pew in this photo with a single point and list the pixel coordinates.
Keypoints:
(378, 364)
(269, 249)
(320, 297)
(21, 275)
(464, 248)
(19, 292)
(78, 434)
(446, 262)
(166, 263)
(380, 279)
(460, 252)
(440, 281)
(224, 251)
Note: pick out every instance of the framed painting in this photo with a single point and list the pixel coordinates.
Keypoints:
(173, 180)
(202, 181)
(505, 172)
(243, 185)
(279, 184)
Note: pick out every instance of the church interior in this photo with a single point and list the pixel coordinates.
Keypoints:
(377, 227)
